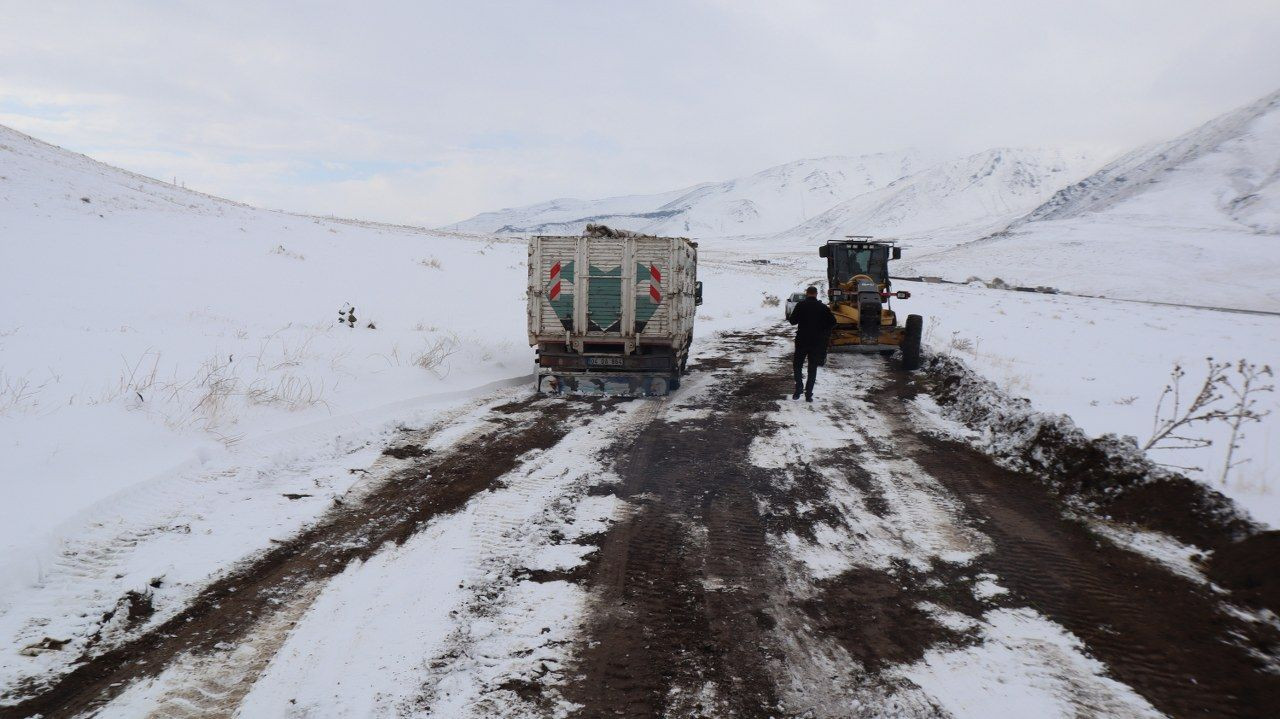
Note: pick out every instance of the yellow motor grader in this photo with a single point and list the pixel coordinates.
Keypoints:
(859, 292)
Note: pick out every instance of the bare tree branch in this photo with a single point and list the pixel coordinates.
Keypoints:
(1244, 393)
(1201, 410)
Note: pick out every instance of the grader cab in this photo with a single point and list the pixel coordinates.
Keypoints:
(860, 293)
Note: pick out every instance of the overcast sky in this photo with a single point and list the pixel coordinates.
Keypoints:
(429, 112)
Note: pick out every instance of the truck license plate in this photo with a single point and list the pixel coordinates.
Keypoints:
(604, 361)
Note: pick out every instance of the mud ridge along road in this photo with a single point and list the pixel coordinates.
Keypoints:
(725, 551)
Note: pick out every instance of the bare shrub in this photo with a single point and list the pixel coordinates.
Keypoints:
(137, 380)
(208, 400)
(1251, 381)
(770, 300)
(17, 394)
(213, 387)
(431, 263)
(1228, 394)
(960, 344)
(290, 354)
(1173, 418)
(289, 391)
(435, 353)
(930, 327)
(392, 357)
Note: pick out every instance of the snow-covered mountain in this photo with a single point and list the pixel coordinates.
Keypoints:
(965, 197)
(1195, 220)
(764, 203)
(1221, 174)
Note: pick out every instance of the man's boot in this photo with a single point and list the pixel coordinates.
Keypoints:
(808, 397)
(799, 389)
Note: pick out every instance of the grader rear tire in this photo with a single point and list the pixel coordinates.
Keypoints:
(911, 343)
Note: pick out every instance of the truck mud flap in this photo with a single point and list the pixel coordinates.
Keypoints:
(611, 385)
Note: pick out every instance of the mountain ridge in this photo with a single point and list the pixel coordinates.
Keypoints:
(1249, 136)
(764, 202)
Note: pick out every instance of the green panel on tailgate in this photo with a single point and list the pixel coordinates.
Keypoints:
(604, 299)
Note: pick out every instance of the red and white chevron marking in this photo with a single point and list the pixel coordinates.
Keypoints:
(555, 281)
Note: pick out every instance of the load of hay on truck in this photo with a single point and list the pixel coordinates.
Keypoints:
(612, 312)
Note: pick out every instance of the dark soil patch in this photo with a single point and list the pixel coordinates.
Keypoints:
(407, 451)
(710, 364)
(226, 610)
(800, 505)
(138, 607)
(576, 574)
(530, 691)
(602, 490)
(679, 594)
(45, 644)
(1250, 568)
(876, 615)
(1165, 636)
(1180, 507)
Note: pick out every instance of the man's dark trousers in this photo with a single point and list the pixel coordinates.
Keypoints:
(815, 356)
(813, 321)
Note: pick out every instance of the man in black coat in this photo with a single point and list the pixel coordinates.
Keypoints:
(813, 321)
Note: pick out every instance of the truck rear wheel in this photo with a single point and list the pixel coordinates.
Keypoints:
(911, 342)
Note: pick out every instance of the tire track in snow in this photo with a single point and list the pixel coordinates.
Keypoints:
(231, 607)
(755, 583)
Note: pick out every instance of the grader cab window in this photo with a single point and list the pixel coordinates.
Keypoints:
(850, 260)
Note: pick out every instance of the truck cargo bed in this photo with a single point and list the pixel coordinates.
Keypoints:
(618, 305)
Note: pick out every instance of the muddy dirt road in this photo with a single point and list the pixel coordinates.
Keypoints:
(723, 552)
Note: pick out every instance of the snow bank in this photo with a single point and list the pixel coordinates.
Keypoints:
(1104, 364)
(1107, 474)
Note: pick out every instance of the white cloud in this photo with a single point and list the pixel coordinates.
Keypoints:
(473, 106)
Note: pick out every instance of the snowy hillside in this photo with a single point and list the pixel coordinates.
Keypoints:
(1195, 220)
(154, 337)
(767, 202)
(152, 328)
(962, 198)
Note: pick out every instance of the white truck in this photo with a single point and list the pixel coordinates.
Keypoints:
(611, 312)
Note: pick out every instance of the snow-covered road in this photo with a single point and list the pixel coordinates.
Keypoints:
(722, 552)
